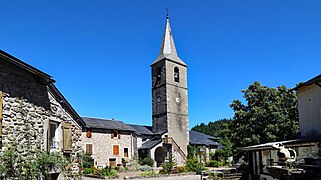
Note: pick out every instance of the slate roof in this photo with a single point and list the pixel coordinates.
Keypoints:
(106, 124)
(309, 82)
(197, 138)
(168, 49)
(142, 130)
(151, 143)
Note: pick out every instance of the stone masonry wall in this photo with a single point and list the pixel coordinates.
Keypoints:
(29, 104)
(102, 146)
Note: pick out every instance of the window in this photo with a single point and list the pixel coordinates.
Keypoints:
(115, 150)
(89, 133)
(67, 137)
(176, 74)
(89, 149)
(112, 162)
(125, 152)
(114, 134)
(52, 139)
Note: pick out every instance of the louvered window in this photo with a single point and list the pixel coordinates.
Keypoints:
(67, 137)
(89, 149)
(115, 149)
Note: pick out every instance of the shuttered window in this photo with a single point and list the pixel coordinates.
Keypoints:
(89, 149)
(1, 95)
(67, 137)
(115, 149)
(118, 135)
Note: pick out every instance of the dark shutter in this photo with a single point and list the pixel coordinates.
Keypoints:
(118, 135)
(67, 137)
(125, 152)
(89, 149)
(112, 134)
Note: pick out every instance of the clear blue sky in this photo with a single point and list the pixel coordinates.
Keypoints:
(99, 51)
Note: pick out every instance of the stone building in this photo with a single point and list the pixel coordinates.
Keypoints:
(31, 104)
(170, 101)
(110, 142)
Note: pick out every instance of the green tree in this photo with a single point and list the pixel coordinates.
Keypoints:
(270, 114)
(221, 129)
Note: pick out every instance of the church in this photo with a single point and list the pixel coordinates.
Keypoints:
(113, 142)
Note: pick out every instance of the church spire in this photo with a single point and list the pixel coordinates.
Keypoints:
(168, 49)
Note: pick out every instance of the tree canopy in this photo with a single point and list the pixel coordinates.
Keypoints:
(267, 115)
(270, 114)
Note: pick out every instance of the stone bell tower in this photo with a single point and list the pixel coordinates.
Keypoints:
(169, 92)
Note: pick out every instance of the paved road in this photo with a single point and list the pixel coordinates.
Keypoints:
(187, 177)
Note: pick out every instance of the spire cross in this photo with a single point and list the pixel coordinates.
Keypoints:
(167, 8)
(167, 12)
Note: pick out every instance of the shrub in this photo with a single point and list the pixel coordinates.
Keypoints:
(192, 165)
(147, 161)
(180, 169)
(88, 171)
(146, 168)
(214, 163)
(148, 173)
(170, 166)
(87, 160)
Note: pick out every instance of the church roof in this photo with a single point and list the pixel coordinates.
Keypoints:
(142, 130)
(152, 143)
(106, 124)
(168, 49)
(197, 138)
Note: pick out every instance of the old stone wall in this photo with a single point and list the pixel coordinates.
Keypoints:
(28, 108)
(102, 146)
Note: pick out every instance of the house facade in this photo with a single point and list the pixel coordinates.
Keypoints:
(110, 142)
(34, 114)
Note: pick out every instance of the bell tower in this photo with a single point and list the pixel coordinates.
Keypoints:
(169, 92)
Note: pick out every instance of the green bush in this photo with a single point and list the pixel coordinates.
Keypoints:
(192, 165)
(108, 171)
(169, 167)
(148, 173)
(88, 171)
(214, 163)
(147, 161)
(87, 160)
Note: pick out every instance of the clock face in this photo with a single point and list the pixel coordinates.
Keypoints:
(177, 99)
(158, 99)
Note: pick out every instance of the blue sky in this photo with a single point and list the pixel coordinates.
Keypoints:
(99, 51)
